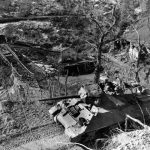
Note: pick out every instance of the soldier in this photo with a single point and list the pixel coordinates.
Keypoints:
(89, 98)
(83, 93)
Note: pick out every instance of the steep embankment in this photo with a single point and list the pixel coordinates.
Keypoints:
(134, 140)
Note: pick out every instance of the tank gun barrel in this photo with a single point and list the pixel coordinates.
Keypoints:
(59, 98)
(65, 97)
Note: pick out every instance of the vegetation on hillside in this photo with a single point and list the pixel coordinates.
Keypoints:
(76, 24)
(89, 27)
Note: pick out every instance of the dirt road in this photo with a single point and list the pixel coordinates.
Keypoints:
(46, 144)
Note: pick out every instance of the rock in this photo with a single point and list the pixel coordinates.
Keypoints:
(6, 106)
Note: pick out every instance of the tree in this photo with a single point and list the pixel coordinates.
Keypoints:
(97, 23)
(107, 25)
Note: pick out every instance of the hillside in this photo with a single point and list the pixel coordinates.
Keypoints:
(136, 139)
(41, 37)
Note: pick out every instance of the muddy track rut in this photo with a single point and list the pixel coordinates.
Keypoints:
(50, 130)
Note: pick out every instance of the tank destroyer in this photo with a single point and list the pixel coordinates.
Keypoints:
(83, 119)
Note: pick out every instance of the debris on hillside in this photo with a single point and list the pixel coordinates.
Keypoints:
(137, 139)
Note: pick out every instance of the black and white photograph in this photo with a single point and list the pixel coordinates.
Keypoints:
(74, 74)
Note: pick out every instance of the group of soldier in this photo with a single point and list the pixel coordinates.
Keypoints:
(110, 87)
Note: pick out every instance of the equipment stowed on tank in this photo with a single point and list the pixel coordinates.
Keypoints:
(79, 116)
(74, 115)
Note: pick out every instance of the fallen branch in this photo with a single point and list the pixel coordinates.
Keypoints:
(91, 44)
(137, 121)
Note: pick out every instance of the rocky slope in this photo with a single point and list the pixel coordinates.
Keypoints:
(138, 139)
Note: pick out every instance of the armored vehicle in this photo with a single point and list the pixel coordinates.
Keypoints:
(74, 115)
(84, 121)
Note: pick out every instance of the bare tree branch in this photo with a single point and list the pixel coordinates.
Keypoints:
(114, 21)
(93, 45)
(97, 23)
(138, 121)
(137, 34)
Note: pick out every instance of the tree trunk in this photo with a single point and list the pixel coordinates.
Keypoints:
(50, 88)
(137, 65)
(98, 64)
(66, 79)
